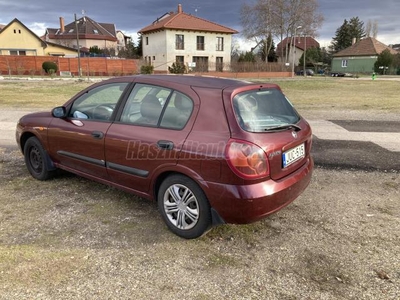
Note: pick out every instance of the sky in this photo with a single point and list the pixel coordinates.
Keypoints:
(129, 16)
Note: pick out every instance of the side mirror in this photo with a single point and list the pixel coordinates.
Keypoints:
(59, 112)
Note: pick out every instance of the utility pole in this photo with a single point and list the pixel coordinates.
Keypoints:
(79, 49)
(304, 55)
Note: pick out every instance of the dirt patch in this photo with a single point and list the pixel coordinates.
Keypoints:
(73, 238)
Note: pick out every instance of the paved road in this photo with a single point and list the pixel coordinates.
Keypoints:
(346, 144)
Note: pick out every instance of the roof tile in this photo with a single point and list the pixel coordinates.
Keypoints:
(365, 47)
(184, 21)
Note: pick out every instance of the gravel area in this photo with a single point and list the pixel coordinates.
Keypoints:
(70, 238)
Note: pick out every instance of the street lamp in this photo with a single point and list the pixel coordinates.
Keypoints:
(293, 52)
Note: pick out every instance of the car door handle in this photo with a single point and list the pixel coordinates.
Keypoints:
(167, 145)
(97, 134)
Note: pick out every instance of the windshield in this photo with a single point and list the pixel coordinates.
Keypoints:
(263, 110)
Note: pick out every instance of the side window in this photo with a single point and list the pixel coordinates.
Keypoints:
(98, 103)
(145, 104)
(177, 112)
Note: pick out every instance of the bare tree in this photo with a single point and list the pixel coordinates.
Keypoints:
(368, 28)
(280, 18)
(258, 23)
(375, 29)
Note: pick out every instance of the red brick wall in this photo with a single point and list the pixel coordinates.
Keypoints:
(32, 65)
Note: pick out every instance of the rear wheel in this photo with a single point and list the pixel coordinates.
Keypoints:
(184, 207)
(36, 160)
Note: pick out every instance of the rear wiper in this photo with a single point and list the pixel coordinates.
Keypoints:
(286, 126)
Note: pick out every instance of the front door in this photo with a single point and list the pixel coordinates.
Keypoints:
(77, 141)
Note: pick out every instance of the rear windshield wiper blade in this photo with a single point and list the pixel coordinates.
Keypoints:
(286, 126)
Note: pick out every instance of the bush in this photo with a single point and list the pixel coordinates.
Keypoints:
(146, 69)
(49, 65)
(177, 68)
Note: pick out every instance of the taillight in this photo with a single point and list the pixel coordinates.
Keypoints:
(246, 159)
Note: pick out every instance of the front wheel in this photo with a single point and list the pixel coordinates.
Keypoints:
(184, 207)
(36, 160)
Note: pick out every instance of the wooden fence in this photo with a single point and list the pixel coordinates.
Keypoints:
(93, 66)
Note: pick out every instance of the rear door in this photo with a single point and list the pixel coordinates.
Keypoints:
(149, 135)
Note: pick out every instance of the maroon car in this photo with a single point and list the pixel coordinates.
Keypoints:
(208, 150)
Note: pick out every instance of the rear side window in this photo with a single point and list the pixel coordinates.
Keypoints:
(155, 106)
(264, 109)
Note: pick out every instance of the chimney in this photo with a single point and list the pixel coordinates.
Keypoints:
(179, 8)
(62, 27)
(353, 41)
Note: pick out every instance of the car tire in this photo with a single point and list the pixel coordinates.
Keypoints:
(36, 160)
(184, 207)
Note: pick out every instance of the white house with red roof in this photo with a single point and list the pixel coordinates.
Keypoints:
(200, 44)
(284, 48)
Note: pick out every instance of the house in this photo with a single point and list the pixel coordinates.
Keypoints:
(122, 40)
(284, 48)
(200, 44)
(359, 57)
(90, 34)
(17, 39)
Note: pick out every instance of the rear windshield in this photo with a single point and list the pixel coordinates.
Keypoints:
(263, 110)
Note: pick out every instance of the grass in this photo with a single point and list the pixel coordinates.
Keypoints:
(38, 94)
(310, 93)
(342, 94)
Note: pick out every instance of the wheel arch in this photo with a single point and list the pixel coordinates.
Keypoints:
(215, 217)
(25, 137)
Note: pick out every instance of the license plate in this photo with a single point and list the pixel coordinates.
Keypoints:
(293, 155)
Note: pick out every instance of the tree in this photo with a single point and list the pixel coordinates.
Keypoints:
(384, 61)
(247, 57)
(279, 18)
(267, 56)
(396, 63)
(177, 68)
(130, 51)
(344, 35)
(313, 56)
(139, 49)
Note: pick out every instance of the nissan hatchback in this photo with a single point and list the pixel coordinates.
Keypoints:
(207, 150)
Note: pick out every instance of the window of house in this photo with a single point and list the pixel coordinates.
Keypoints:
(15, 30)
(219, 64)
(220, 44)
(344, 63)
(17, 52)
(200, 42)
(147, 40)
(19, 30)
(179, 42)
(154, 58)
(180, 59)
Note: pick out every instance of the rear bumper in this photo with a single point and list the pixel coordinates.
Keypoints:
(242, 204)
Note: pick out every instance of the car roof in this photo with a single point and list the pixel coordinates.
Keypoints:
(197, 81)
